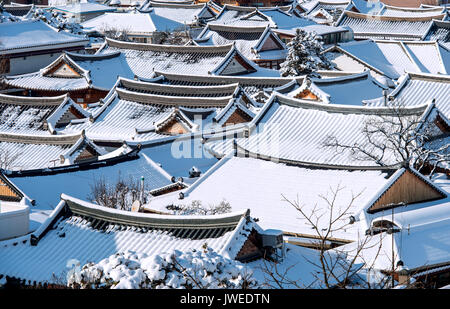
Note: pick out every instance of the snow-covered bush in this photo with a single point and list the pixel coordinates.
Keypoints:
(196, 208)
(189, 270)
(304, 55)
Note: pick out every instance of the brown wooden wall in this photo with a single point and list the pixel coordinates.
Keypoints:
(407, 189)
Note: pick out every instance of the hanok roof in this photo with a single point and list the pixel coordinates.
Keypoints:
(394, 58)
(145, 111)
(252, 42)
(274, 17)
(43, 115)
(18, 10)
(183, 13)
(260, 186)
(133, 22)
(395, 11)
(25, 36)
(346, 90)
(327, 8)
(35, 152)
(251, 85)
(296, 130)
(439, 31)
(85, 8)
(422, 241)
(111, 231)
(72, 72)
(414, 88)
(367, 26)
(144, 59)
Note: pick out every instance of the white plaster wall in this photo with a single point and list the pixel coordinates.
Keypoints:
(31, 63)
(14, 220)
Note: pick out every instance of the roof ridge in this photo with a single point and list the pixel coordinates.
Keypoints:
(21, 100)
(40, 139)
(169, 48)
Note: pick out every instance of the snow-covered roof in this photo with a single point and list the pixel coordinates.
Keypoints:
(296, 130)
(274, 17)
(85, 8)
(394, 58)
(318, 29)
(439, 31)
(248, 40)
(251, 85)
(367, 26)
(182, 13)
(35, 152)
(17, 10)
(94, 71)
(25, 36)
(422, 241)
(144, 59)
(111, 231)
(136, 110)
(37, 115)
(414, 88)
(345, 90)
(395, 11)
(133, 22)
(259, 185)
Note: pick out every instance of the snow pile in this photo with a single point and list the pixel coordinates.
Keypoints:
(176, 269)
(304, 55)
(5, 16)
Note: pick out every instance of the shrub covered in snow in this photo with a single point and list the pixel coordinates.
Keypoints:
(304, 55)
(189, 270)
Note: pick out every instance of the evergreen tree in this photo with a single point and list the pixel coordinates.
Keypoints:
(304, 55)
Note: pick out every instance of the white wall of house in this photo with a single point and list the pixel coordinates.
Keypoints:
(30, 64)
(14, 220)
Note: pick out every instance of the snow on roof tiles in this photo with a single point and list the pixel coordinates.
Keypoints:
(26, 35)
(440, 31)
(144, 59)
(295, 130)
(414, 88)
(259, 185)
(386, 27)
(107, 235)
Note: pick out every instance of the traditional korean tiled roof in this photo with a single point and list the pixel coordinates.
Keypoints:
(394, 58)
(40, 115)
(439, 31)
(414, 88)
(144, 59)
(260, 185)
(248, 40)
(301, 139)
(251, 85)
(18, 10)
(421, 241)
(189, 14)
(387, 27)
(345, 90)
(275, 17)
(25, 36)
(136, 109)
(85, 8)
(395, 11)
(111, 231)
(94, 71)
(327, 8)
(34, 152)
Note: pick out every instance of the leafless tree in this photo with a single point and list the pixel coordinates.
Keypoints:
(171, 38)
(334, 267)
(7, 159)
(397, 139)
(120, 194)
(116, 33)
